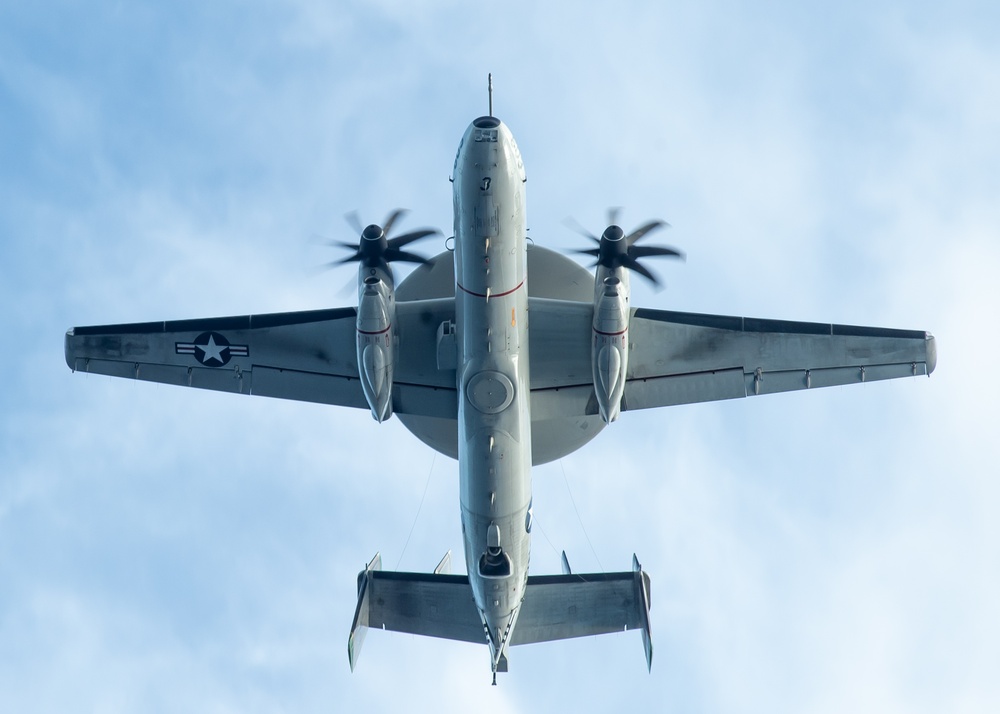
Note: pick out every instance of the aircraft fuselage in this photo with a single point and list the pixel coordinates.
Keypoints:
(493, 381)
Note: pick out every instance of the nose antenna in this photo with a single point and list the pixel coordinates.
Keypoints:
(490, 79)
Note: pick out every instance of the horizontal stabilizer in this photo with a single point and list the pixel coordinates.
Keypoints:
(559, 607)
(555, 607)
(566, 570)
(434, 605)
(444, 566)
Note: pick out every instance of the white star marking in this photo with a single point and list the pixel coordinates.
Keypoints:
(212, 350)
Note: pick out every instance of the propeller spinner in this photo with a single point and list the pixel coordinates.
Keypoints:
(615, 249)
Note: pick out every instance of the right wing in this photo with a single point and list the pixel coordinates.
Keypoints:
(682, 357)
(306, 356)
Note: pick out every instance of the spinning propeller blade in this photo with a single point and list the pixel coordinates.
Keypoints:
(375, 247)
(615, 249)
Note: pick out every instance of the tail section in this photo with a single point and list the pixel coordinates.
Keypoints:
(555, 607)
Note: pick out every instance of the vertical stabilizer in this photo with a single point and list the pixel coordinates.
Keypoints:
(359, 628)
(444, 567)
(642, 585)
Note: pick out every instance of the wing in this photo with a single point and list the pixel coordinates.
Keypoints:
(681, 357)
(307, 356)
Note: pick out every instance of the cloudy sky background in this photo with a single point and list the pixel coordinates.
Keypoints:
(164, 549)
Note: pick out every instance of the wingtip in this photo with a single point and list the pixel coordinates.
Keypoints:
(931, 353)
(67, 350)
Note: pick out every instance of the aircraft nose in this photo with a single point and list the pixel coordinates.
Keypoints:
(490, 122)
(488, 132)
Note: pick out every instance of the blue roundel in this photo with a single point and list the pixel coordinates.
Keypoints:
(212, 349)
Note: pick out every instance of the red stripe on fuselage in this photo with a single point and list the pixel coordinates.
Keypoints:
(611, 334)
(377, 332)
(492, 295)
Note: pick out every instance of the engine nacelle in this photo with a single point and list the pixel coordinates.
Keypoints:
(376, 343)
(609, 356)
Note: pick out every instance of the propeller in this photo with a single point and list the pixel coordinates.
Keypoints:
(615, 249)
(375, 246)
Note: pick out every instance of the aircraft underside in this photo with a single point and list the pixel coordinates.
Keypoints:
(502, 354)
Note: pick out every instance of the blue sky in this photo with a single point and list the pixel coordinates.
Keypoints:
(164, 549)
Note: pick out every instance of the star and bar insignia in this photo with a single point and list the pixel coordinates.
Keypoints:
(212, 349)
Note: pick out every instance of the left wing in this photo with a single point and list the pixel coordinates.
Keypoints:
(306, 356)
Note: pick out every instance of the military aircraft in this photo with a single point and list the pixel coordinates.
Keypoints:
(502, 355)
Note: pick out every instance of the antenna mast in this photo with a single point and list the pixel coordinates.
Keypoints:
(490, 77)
